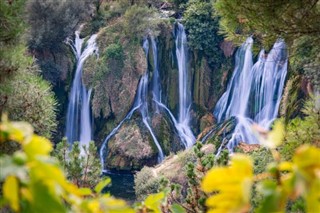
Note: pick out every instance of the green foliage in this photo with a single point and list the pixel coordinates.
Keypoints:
(114, 51)
(106, 12)
(274, 19)
(302, 130)
(11, 28)
(81, 167)
(11, 16)
(202, 30)
(33, 182)
(283, 183)
(305, 59)
(145, 183)
(139, 22)
(26, 96)
(179, 4)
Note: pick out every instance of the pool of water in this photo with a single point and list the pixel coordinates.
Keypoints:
(122, 186)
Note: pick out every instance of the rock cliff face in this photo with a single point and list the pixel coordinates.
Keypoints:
(115, 89)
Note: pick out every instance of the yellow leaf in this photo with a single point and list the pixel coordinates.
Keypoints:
(37, 146)
(285, 166)
(94, 206)
(112, 205)
(11, 192)
(232, 185)
(25, 193)
(307, 176)
(153, 201)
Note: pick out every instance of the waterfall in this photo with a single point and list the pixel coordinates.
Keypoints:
(78, 124)
(261, 84)
(143, 99)
(141, 103)
(184, 88)
(182, 123)
(156, 87)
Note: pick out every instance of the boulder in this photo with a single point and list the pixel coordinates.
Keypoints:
(131, 148)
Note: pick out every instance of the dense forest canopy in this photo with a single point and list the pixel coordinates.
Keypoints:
(161, 89)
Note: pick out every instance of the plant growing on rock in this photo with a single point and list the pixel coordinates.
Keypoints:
(202, 28)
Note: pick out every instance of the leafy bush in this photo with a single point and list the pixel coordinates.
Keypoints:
(139, 22)
(24, 95)
(305, 59)
(302, 130)
(202, 30)
(145, 183)
(239, 19)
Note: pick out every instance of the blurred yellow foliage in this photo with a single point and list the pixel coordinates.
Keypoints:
(230, 186)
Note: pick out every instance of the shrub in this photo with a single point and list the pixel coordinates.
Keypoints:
(81, 165)
(202, 29)
(145, 183)
(114, 51)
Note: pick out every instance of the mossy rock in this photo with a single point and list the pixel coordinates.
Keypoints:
(166, 133)
(131, 147)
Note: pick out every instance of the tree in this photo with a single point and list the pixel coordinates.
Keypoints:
(81, 169)
(268, 20)
(24, 95)
(11, 28)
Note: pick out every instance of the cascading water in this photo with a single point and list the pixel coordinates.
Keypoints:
(182, 124)
(156, 87)
(142, 98)
(184, 90)
(78, 124)
(264, 81)
(140, 103)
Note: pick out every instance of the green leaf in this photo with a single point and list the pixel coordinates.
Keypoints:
(175, 208)
(85, 191)
(45, 199)
(101, 185)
